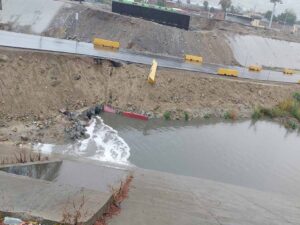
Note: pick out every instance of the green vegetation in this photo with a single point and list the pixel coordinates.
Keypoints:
(287, 17)
(289, 108)
(296, 96)
(167, 115)
(186, 116)
(230, 115)
(291, 125)
(207, 116)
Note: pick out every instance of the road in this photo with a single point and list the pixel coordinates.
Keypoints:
(40, 43)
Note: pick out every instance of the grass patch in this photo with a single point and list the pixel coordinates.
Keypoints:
(291, 125)
(257, 114)
(167, 115)
(296, 96)
(289, 108)
(207, 116)
(186, 116)
(230, 115)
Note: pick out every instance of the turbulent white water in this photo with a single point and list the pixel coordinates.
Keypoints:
(103, 144)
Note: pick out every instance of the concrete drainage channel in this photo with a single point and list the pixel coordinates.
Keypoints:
(53, 192)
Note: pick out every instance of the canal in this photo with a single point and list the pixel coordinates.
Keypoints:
(262, 155)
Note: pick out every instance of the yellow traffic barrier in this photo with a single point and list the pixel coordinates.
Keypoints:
(151, 77)
(193, 58)
(255, 68)
(228, 72)
(288, 71)
(98, 42)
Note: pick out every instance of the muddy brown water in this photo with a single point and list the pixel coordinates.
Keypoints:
(261, 155)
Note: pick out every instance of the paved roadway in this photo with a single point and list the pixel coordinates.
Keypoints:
(40, 43)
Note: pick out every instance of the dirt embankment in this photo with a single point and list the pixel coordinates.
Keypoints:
(35, 86)
(40, 84)
(138, 34)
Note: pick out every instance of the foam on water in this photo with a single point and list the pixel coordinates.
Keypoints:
(103, 144)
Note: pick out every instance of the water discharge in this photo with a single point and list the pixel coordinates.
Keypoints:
(103, 144)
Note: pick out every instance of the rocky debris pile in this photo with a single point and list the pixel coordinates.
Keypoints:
(79, 121)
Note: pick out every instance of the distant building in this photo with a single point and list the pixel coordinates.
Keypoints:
(218, 14)
(153, 2)
(238, 18)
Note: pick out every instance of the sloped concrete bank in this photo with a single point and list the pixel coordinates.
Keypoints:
(167, 199)
(153, 198)
(250, 49)
(48, 202)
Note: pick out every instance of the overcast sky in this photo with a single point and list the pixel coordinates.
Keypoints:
(260, 5)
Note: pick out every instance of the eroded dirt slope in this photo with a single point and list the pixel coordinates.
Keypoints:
(39, 84)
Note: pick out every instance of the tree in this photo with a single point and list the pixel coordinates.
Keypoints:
(205, 4)
(268, 14)
(0, 4)
(225, 4)
(288, 17)
(161, 3)
(235, 10)
(273, 12)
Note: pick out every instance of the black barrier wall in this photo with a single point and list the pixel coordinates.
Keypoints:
(159, 16)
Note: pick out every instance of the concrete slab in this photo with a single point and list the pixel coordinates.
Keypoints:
(91, 175)
(166, 199)
(45, 170)
(49, 202)
(35, 14)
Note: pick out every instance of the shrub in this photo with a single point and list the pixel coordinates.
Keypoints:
(232, 115)
(277, 112)
(295, 112)
(207, 116)
(291, 124)
(186, 116)
(167, 115)
(256, 115)
(296, 96)
(286, 105)
(266, 112)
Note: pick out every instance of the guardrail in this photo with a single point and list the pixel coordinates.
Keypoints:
(98, 42)
(193, 58)
(228, 72)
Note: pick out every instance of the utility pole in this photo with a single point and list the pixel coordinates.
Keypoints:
(272, 16)
(0, 4)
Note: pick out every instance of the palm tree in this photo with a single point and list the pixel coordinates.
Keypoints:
(205, 4)
(225, 4)
(274, 7)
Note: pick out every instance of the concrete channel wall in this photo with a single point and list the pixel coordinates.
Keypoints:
(25, 193)
(250, 49)
(37, 170)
